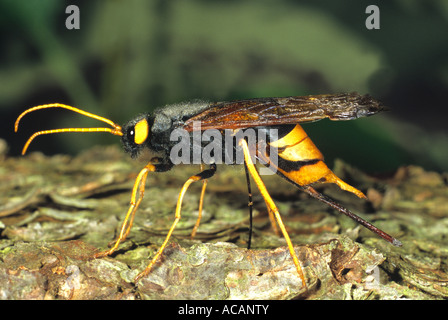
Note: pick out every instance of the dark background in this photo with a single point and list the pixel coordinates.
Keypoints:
(131, 56)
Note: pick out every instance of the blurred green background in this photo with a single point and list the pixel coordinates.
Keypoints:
(132, 56)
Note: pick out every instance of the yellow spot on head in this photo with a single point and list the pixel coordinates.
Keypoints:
(141, 131)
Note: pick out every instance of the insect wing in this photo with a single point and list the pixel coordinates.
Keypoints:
(288, 110)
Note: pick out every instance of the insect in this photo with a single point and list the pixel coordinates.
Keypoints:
(284, 148)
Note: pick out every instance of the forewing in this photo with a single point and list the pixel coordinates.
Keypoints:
(287, 110)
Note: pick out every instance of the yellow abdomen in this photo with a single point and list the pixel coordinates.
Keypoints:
(302, 163)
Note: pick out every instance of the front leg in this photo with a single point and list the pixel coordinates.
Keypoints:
(139, 188)
(205, 174)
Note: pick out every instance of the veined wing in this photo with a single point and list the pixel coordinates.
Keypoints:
(287, 110)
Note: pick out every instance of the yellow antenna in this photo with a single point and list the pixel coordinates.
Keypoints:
(115, 130)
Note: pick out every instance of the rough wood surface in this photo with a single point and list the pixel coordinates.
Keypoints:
(56, 212)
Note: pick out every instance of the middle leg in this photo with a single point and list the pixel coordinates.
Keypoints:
(206, 174)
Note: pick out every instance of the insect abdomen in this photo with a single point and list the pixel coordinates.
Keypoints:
(301, 162)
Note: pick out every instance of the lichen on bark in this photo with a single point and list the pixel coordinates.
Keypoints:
(56, 212)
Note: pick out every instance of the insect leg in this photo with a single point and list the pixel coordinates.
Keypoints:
(250, 205)
(201, 203)
(271, 206)
(272, 220)
(206, 174)
(139, 186)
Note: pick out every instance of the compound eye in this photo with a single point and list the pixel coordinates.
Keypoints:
(130, 133)
(140, 131)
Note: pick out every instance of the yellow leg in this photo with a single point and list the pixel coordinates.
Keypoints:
(139, 186)
(203, 175)
(272, 220)
(272, 207)
(201, 203)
